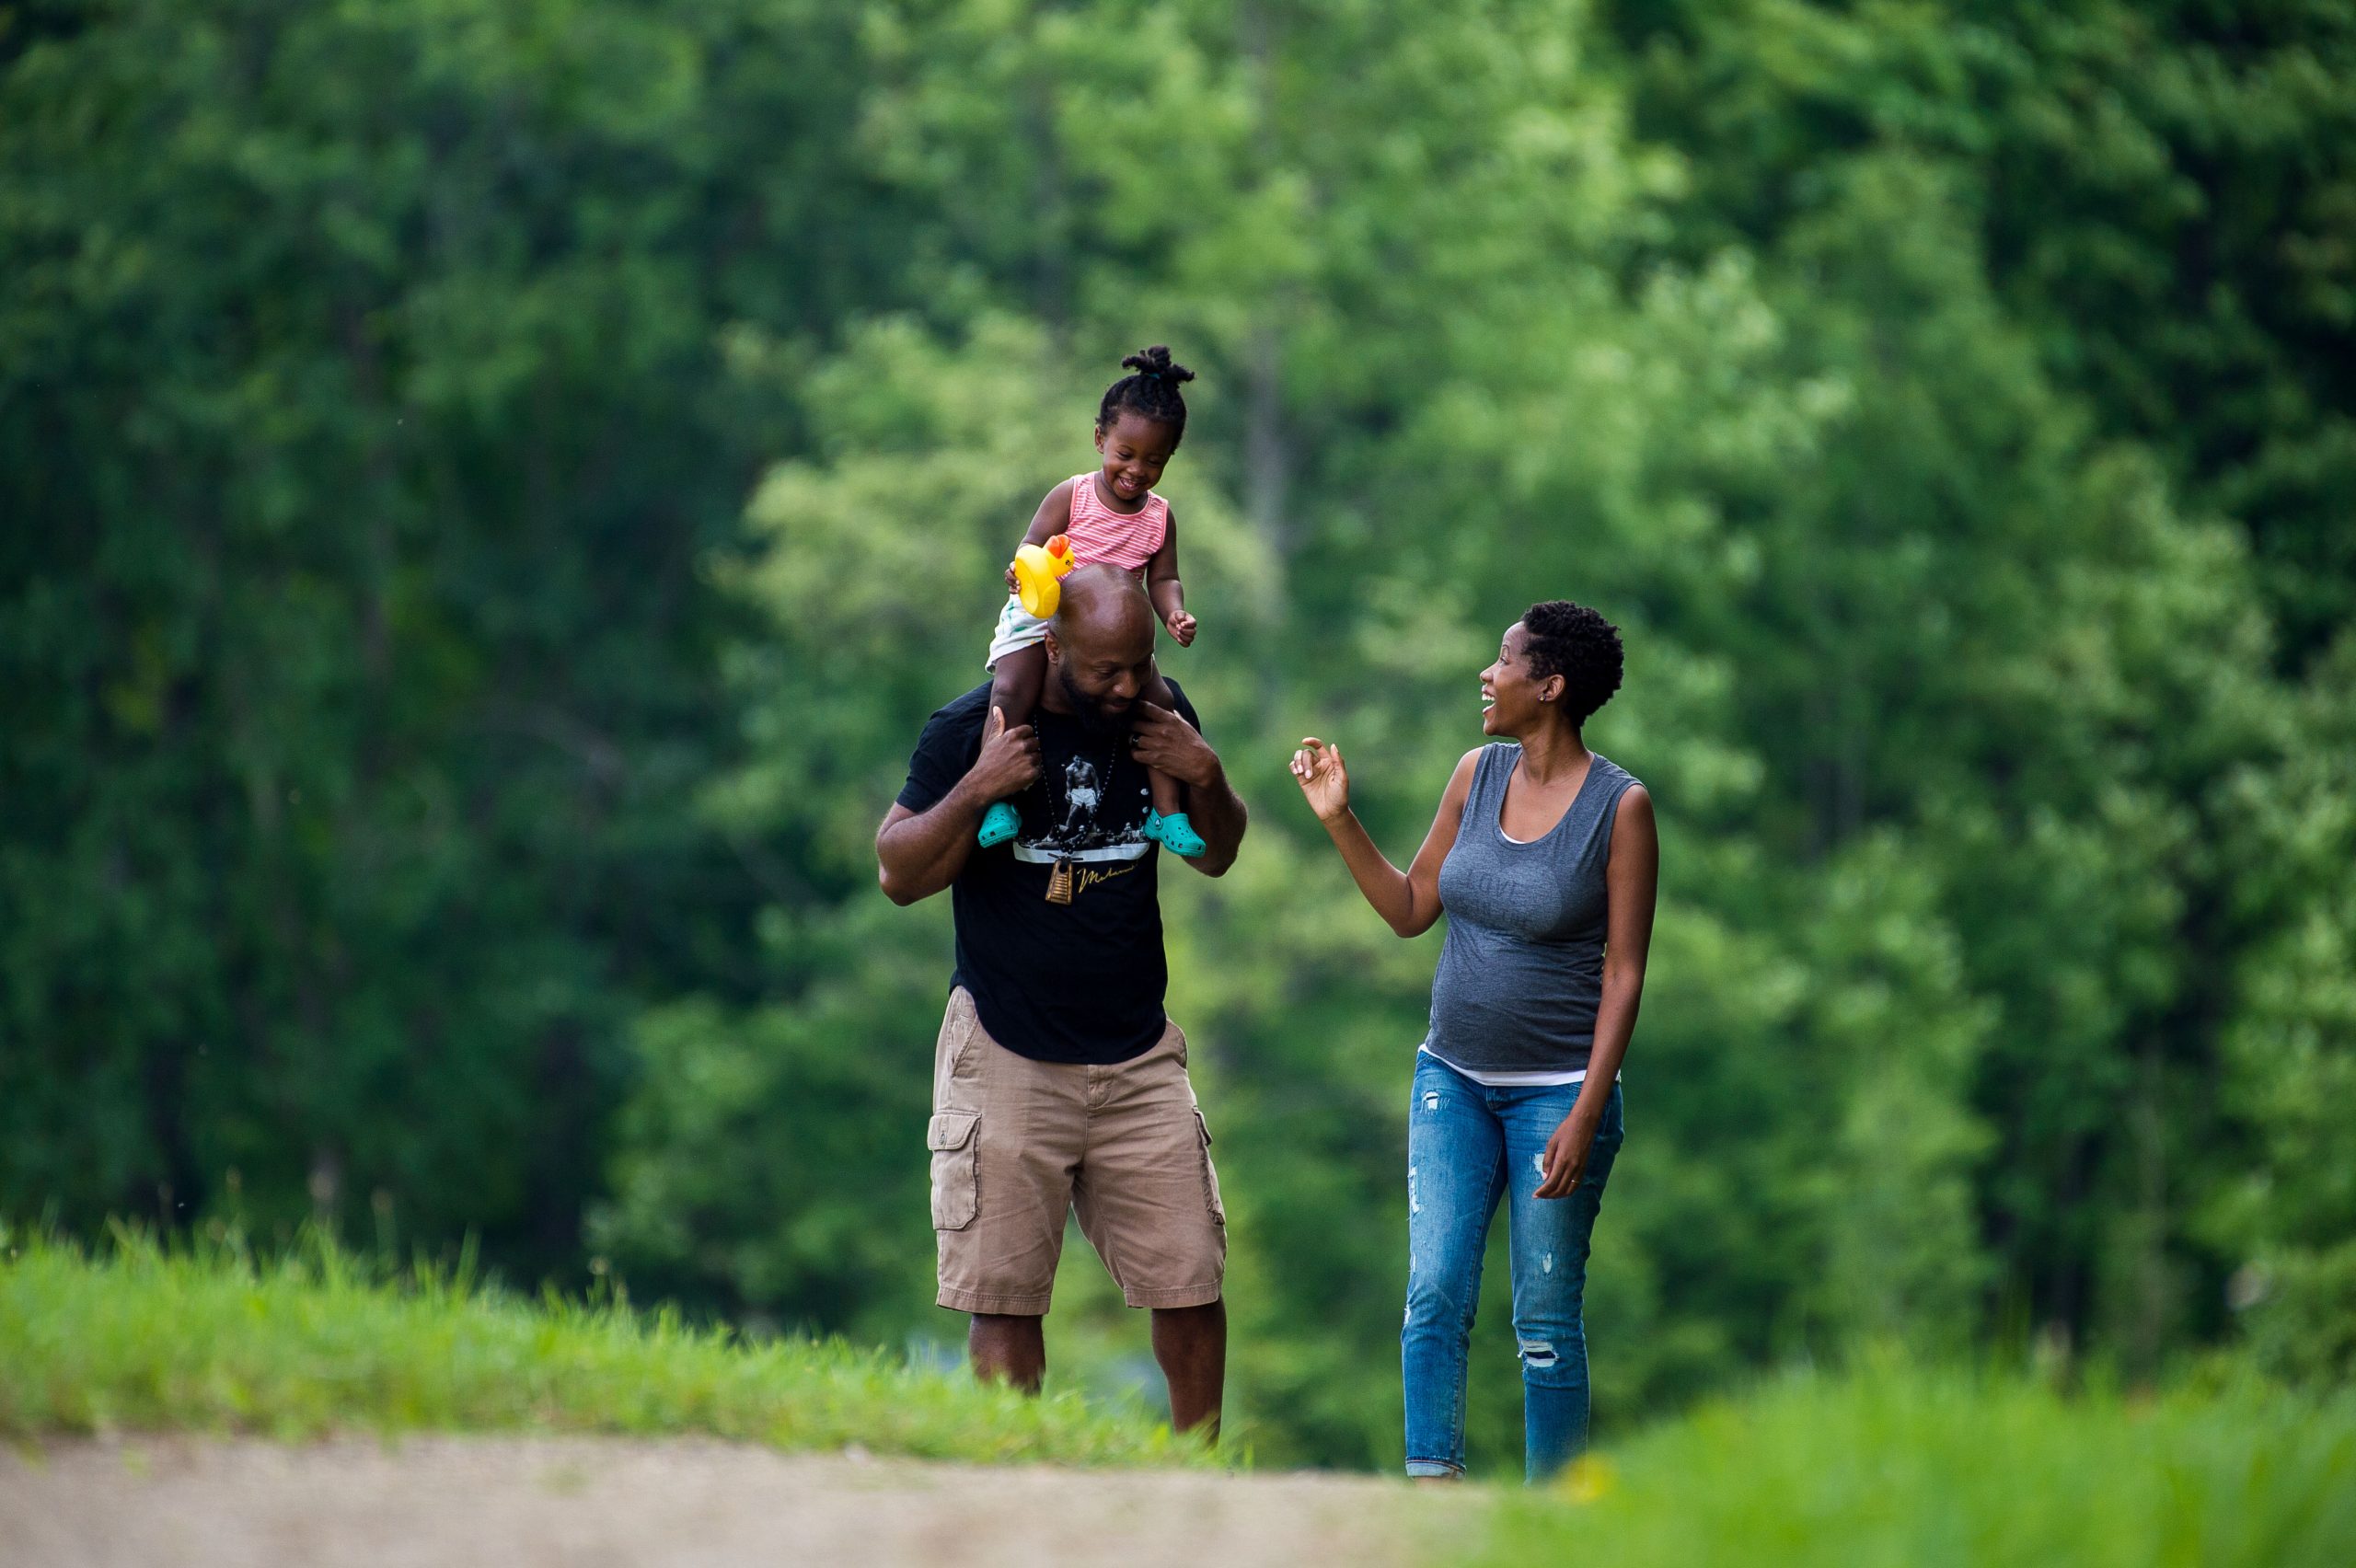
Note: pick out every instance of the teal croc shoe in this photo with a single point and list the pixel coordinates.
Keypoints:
(1174, 833)
(1000, 823)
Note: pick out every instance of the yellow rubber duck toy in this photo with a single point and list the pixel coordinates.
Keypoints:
(1038, 573)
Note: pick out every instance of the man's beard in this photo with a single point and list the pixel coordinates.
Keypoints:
(1090, 713)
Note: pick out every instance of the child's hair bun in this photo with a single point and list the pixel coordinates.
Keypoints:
(1152, 392)
(1155, 362)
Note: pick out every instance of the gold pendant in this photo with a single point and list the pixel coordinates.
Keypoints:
(1059, 882)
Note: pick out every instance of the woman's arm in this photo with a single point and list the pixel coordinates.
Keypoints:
(1631, 884)
(1162, 587)
(1408, 901)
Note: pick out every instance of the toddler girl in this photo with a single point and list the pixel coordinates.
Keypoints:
(1108, 514)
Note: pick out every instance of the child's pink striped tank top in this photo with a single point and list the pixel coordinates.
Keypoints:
(1098, 533)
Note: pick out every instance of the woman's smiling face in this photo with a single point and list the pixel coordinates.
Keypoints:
(1512, 698)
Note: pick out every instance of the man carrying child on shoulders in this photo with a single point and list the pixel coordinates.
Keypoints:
(1059, 1085)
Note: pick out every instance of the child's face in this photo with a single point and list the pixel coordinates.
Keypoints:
(1136, 450)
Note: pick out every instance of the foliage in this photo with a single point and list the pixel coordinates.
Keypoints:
(144, 1336)
(2164, 194)
(1909, 1466)
(362, 421)
(492, 494)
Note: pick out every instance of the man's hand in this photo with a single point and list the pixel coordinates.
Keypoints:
(920, 853)
(1162, 739)
(1008, 763)
(1566, 1153)
(1182, 627)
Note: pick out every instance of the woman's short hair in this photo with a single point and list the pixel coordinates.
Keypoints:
(1577, 644)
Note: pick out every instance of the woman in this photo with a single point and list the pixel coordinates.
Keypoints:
(1545, 858)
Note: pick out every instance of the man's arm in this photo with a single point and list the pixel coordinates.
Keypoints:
(918, 853)
(1166, 740)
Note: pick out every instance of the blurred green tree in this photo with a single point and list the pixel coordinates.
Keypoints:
(363, 415)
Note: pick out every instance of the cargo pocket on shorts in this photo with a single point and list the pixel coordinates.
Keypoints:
(1210, 1171)
(956, 1154)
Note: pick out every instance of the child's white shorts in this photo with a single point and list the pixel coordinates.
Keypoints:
(1017, 628)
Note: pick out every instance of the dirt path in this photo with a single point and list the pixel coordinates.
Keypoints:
(590, 1502)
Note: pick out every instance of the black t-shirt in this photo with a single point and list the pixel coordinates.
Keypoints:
(1078, 982)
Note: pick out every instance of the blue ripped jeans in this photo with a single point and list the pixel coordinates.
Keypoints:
(1467, 1146)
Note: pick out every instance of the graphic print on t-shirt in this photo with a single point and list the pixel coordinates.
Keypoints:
(1097, 998)
(1082, 822)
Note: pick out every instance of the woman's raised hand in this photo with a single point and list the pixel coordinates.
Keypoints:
(1324, 780)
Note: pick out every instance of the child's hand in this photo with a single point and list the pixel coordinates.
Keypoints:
(1182, 627)
(1012, 586)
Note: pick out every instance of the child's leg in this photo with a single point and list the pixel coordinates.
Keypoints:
(1167, 825)
(1156, 691)
(1169, 796)
(1015, 684)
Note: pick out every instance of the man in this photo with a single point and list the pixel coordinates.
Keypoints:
(1058, 1083)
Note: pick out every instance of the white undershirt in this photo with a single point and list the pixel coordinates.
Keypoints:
(1508, 1081)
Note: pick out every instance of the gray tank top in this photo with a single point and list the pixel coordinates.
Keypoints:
(1521, 971)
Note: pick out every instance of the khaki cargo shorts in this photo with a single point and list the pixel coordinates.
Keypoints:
(1017, 1145)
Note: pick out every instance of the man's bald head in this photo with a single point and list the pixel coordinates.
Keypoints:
(1100, 645)
(1104, 615)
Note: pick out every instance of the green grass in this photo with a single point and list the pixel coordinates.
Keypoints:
(1895, 1466)
(141, 1337)
(1899, 1466)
